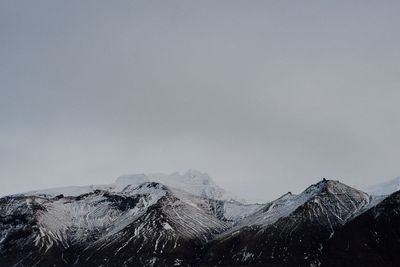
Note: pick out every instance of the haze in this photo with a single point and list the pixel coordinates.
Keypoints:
(265, 96)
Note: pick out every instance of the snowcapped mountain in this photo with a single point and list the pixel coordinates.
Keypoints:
(290, 230)
(187, 220)
(54, 226)
(385, 188)
(178, 221)
(194, 182)
(142, 225)
(322, 194)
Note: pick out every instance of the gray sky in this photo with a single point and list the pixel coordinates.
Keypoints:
(265, 96)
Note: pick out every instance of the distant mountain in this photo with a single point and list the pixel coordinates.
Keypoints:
(195, 182)
(187, 220)
(385, 188)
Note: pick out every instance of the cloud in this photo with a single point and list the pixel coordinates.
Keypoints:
(266, 97)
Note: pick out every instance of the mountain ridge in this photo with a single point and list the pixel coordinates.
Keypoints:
(139, 222)
(192, 181)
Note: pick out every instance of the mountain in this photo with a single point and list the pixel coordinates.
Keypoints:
(53, 230)
(172, 231)
(140, 225)
(139, 221)
(291, 230)
(385, 188)
(194, 182)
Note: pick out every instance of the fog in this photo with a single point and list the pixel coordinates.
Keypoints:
(265, 96)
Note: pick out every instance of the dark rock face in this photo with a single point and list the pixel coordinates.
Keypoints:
(20, 233)
(149, 226)
(157, 238)
(371, 239)
(329, 224)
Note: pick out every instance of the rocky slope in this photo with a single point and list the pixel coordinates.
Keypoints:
(371, 239)
(140, 222)
(145, 225)
(290, 230)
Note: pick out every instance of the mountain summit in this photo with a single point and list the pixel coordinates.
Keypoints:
(194, 182)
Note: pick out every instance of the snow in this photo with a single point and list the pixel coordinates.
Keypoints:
(133, 180)
(178, 262)
(72, 221)
(192, 214)
(96, 216)
(288, 203)
(167, 226)
(247, 256)
(279, 208)
(66, 191)
(184, 206)
(236, 211)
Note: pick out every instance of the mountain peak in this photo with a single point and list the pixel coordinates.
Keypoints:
(288, 203)
(326, 185)
(192, 181)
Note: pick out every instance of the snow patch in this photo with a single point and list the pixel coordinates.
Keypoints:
(167, 226)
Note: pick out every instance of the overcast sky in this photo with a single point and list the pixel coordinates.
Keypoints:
(265, 96)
